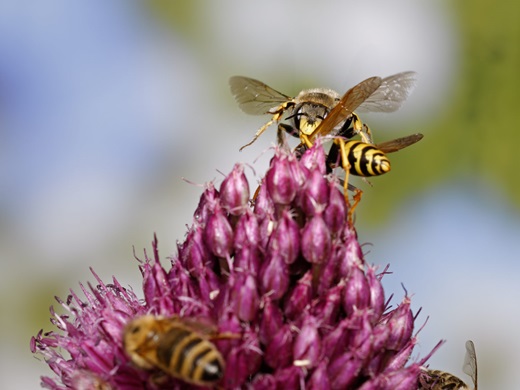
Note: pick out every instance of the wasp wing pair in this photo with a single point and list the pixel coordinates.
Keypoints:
(371, 95)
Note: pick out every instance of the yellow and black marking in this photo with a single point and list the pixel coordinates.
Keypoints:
(440, 380)
(178, 346)
(186, 355)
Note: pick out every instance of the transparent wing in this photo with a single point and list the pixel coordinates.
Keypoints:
(470, 363)
(254, 97)
(391, 94)
(348, 103)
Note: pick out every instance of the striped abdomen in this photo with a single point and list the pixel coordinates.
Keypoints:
(187, 356)
(366, 159)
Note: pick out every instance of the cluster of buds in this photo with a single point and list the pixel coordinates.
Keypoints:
(286, 276)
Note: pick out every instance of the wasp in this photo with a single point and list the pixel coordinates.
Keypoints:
(178, 346)
(310, 107)
(440, 380)
(322, 112)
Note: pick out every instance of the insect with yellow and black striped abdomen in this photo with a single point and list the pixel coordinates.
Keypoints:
(441, 380)
(362, 159)
(178, 346)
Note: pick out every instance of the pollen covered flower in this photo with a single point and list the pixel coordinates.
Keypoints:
(282, 285)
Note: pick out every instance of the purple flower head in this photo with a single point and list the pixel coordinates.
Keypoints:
(273, 295)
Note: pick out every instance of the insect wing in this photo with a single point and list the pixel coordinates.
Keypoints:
(470, 363)
(391, 94)
(254, 97)
(348, 103)
(399, 143)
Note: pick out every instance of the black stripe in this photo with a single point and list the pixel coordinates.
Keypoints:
(169, 343)
(185, 353)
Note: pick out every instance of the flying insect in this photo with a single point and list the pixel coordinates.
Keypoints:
(310, 107)
(440, 380)
(178, 346)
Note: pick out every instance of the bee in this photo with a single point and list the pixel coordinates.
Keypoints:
(321, 112)
(440, 380)
(178, 346)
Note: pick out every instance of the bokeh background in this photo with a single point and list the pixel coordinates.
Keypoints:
(106, 106)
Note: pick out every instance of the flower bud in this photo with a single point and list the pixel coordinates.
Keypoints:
(316, 242)
(343, 370)
(207, 203)
(272, 320)
(327, 308)
(307, 345)
(315, 194)
(280, 180)
(234, 191)
(218, 234)
(400, 323)
(299, 297)
(314, 158)
(274, 277)
(247, 231)
(285, 238)
(377, 294)
(279, 352)
(244, 297)
(357, 291)
(264, 205)
(335, 213)
(319, 379)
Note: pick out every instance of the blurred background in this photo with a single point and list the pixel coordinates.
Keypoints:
(106, 106)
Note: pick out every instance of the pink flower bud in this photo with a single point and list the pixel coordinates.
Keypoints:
(316, 242)
(274, 277)
(234, 191)
(285, 238)
(400, 323)
(299, 297)
(315, 194)
(281, 183)
(279, 352)
(218, 234)
(335, 212)
(244, 296)
(272, 320)
(307, 345)
(343, 370)
(247, 231)
(357, 291)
